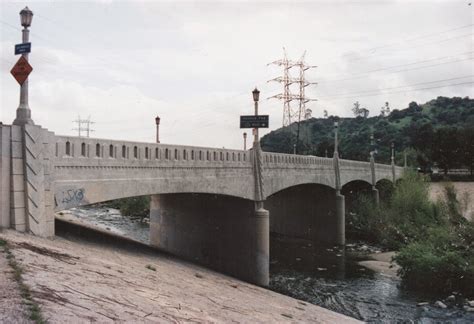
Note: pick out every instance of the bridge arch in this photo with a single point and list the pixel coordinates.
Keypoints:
(304, 211)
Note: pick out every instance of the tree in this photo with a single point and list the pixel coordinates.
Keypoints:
(385, 110)
(325, 113)
(466, 143)
(356, 109)
(359, 111)
(446, 150)
(364, 112)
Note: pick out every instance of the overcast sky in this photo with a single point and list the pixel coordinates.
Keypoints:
(195, 64)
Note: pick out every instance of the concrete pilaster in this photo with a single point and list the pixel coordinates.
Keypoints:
(17, 189)
(5, 175)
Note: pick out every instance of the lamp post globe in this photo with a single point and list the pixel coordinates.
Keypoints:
(256, 94)
(26, 16)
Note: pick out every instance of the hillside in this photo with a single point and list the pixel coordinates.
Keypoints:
(439, 132)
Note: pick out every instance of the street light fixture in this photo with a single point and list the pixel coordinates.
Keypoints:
(256, 94)
(26, 16)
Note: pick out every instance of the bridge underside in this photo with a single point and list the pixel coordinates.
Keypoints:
(218, 231)
(306, 211)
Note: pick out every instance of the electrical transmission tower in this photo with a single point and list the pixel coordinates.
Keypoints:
(87, 125)
(286, 96)
(292, 114)
(303, 83)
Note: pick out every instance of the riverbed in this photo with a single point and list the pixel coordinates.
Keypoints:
(324, 276)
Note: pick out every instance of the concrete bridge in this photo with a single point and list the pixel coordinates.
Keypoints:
(207, 204)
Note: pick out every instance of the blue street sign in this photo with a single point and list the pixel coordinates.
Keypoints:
(22, 48)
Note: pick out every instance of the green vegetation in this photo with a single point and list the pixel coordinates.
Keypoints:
(134, 206)
(439, 132)
(435, 243)
(33, 307)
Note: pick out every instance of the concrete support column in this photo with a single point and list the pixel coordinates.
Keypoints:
(340, 219)
(223, 233)
(375, 195)
(260, 247)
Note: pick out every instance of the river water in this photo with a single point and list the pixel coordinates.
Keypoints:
(325, 276)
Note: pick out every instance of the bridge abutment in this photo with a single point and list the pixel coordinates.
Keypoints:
(27, 203)
(221, 232)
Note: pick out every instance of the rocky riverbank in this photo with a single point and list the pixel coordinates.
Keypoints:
(74, 280)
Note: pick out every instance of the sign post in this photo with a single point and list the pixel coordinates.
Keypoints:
(21, 70)
(22, 48)
(254, 121)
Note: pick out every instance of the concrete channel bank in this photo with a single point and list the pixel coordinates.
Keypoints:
(76, 281)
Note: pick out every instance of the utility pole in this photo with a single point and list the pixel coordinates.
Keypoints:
(87, 128)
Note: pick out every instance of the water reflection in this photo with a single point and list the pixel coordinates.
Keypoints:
(332, 278)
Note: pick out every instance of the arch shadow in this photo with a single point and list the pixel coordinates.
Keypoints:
(306, 211)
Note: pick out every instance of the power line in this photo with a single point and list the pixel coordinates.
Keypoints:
(401, 91)
(405, 40)
(404, 70)
(398, 87)
(401, 65)
(419, 37)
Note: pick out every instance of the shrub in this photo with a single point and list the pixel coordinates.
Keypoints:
(443, 262)
(133, 206)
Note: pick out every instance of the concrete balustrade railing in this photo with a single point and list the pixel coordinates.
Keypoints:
(281, 158)
(67, 148)
(354, 164)
(95, 149)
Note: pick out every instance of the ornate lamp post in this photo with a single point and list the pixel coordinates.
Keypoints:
(260, 221)
(157, 122)
(256, 96)
(23, 112)
(340, 199)
(373, 151)
(392, 159)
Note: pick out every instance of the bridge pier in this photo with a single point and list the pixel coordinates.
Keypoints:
(375, 195)
(340, 219)
(221, 232)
